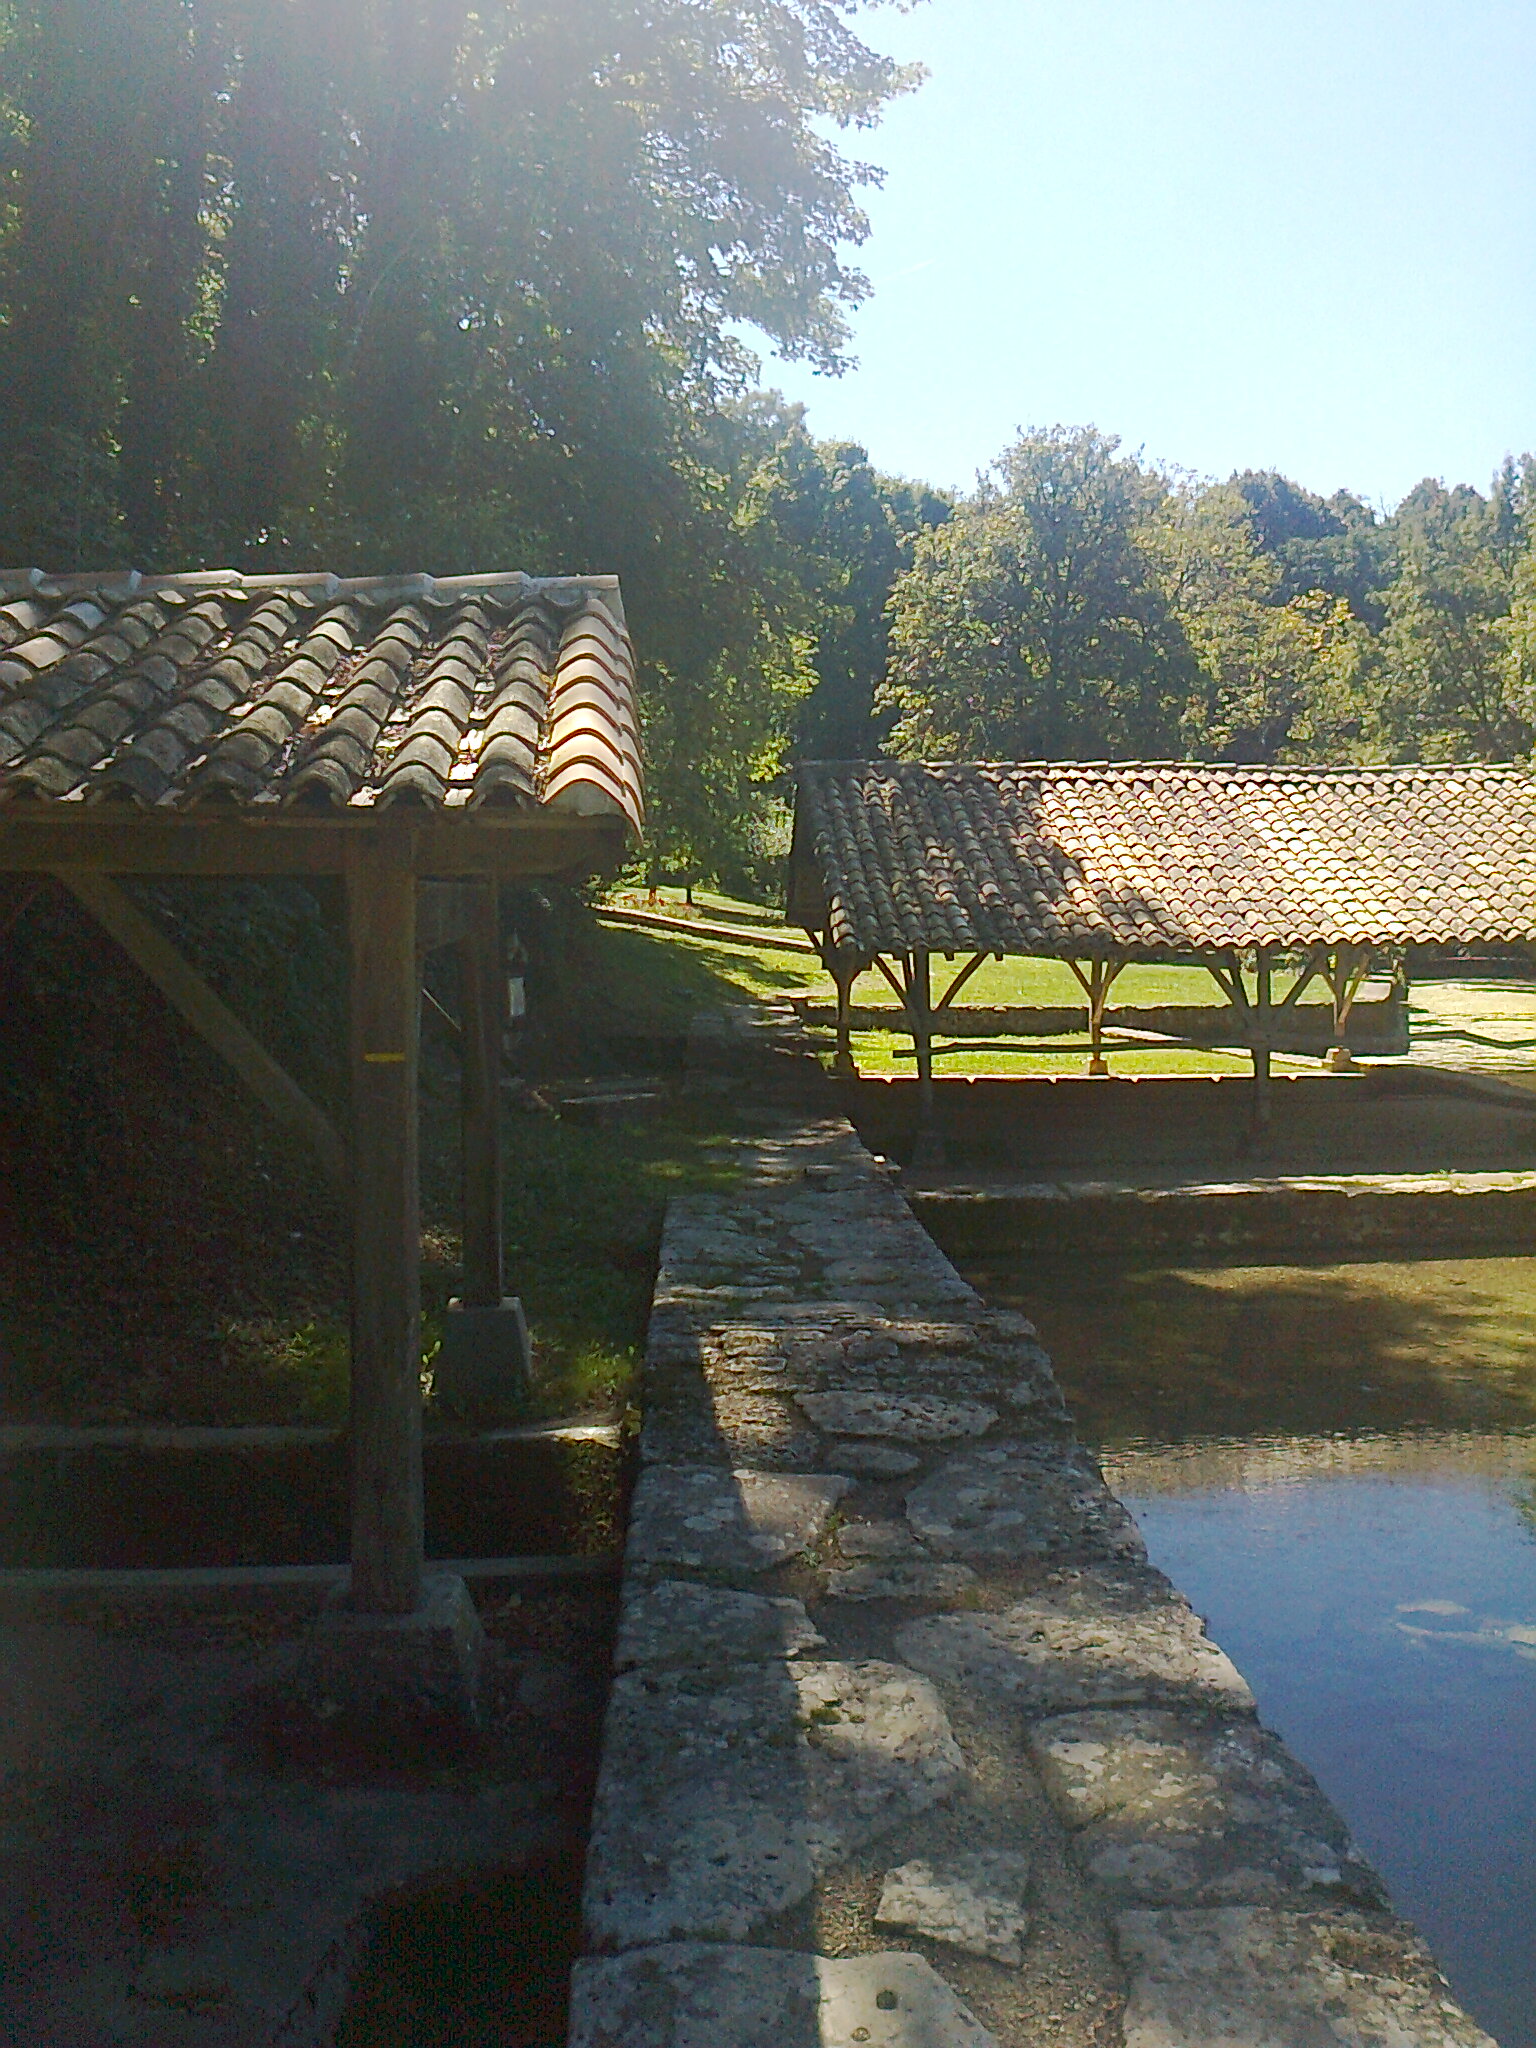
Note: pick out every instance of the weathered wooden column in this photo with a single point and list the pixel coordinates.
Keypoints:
(929, 1148)
(844, 971)
(1261, 1042)
(482, 989)
(1346, 974)
(1098, 1066)
(387, 1534)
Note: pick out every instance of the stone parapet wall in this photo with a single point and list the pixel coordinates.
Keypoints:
(909, 1746)
(1296, 1213)
(1374, 1027)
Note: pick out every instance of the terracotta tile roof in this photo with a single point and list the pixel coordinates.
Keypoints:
(322, 691)
(1152, 858)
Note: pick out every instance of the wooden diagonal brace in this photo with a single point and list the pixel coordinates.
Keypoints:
(210, 1017)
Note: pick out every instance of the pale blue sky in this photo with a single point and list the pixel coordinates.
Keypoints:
(1297, 234)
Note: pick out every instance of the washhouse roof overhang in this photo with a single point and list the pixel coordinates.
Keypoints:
(219, 723)
(1159, 860)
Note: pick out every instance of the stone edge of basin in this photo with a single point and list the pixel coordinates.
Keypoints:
(843, 1443)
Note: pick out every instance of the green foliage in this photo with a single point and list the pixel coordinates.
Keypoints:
(848, 533)
(419, 283)
(1082, 606)
(1035, 623)
(1446, 685)
(1335, 545)
(1264, 661)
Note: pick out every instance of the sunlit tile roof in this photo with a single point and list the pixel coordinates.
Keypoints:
(1152, 858)
(331, 693)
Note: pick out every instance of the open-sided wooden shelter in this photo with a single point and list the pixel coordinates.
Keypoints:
(1100, 864)
(422, 737)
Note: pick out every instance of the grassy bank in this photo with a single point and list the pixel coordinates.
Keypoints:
(670, 960)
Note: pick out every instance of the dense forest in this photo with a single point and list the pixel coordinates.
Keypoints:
(403, 284)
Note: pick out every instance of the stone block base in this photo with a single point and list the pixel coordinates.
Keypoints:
(425, 1665)
(484, 1371)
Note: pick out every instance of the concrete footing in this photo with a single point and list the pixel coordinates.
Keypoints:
(417, 1666)
(484, 1371)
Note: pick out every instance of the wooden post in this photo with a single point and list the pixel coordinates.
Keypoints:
(929, 1147)
(482, 986)
(1096, 985)
(1261, 1037)
(1346, 974)
(844, 970)
(387, 1535)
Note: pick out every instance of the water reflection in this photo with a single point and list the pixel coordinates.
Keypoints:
(1338, 1465)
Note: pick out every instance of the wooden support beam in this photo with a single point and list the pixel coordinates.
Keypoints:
(1347, 971)
(899, 987)
(187, 993)
(1230, 982)
(482, 1006)
(976, 960)
(17, 899)
(1316, 964)
(844, 970)
(102, 840)
(929, 1147)
(384, 1036)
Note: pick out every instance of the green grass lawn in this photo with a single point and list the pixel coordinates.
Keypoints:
(665, 975)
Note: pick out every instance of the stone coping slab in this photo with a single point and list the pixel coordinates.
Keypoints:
(1020, 1500)
(681, 1624)
(1085, 1638)
(973, 1902)
(699, 1995)
(721, 1803)
(738, 1521)
(1182, 1809)
(868, 1569)
(1267, 1979)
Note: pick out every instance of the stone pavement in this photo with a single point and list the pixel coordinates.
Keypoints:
(908, 1744)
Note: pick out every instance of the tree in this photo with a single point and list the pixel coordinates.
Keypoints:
(1336, 545)
(1265, 661)
(846, 533)
(430, 283)
(1445, 685)
(1035, 623)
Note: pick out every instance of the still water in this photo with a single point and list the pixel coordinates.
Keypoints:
(1337, 1463)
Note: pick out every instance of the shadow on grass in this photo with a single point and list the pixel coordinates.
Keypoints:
(659, 980)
